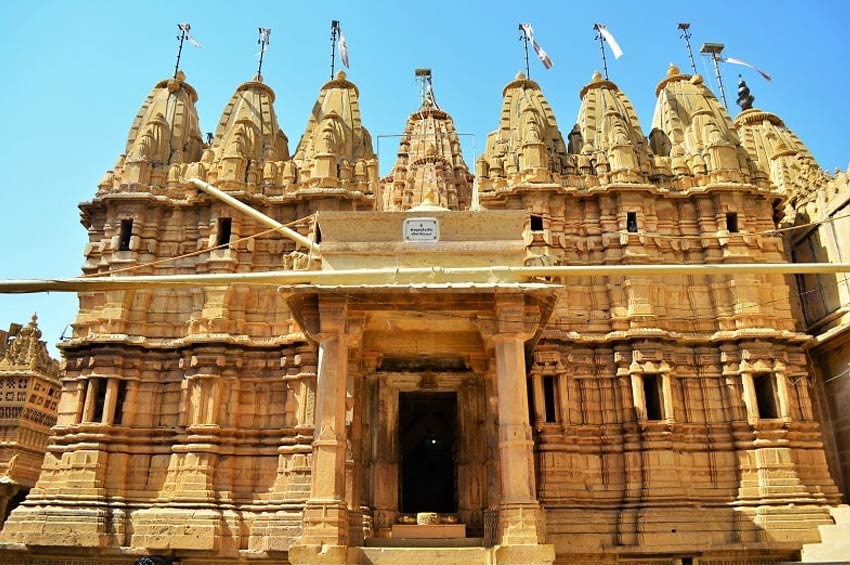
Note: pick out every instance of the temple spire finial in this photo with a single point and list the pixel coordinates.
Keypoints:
(745, 99)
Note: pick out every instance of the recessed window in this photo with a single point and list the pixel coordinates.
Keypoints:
(99, 392)
(223, 233)
(549, 399)
(529, 393)
(536, 223)
(119, 401)
(631, 222)
(732, 222)
(652, 395)
(765, 396)
(125, 234)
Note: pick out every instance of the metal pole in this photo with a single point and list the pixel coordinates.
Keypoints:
(601, 39)
(687, 36)
(715, 58)
(334, 28)
(262, 52)
(524, 39)
(715, 49)
(256, 214)
(182, 38)
(423, 276)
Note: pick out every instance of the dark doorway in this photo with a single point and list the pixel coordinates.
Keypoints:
(427, 429)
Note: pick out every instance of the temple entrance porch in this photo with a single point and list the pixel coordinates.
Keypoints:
(396, 368)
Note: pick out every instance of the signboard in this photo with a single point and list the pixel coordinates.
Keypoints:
(421, 229)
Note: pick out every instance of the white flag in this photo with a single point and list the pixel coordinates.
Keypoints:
(735, 61)
(541, 53)
(615, 47)
(185, 29)
(265, 32)
(343, 48)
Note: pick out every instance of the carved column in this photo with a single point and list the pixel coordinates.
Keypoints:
(110, 400)
(519, 511)
(325, 513)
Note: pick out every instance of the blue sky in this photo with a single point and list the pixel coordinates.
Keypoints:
(75, 74)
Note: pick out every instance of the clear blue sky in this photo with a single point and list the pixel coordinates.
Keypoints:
(75, 73)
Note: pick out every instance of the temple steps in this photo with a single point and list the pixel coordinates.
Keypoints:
(404, 555)
(834, 546)
(424, 542)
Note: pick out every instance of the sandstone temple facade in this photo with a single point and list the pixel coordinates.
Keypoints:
(593, 419)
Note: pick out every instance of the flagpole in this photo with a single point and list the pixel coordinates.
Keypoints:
(182, 38)
(601, 39)
(524, 39)
(262, 52)
(334, 28)
(714, 50)
(687, 37)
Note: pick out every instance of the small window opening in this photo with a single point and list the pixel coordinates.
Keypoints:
(549, 398)
(687, 561)
(125, 235)
(119, 401)
(318, 233)
(536, 223)
(529, 393)
(765, 396)
(732, 222)
(223, 232)
(652, 394)
(631, 222)
(99, 398)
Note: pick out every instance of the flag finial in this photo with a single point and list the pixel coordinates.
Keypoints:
(527, 36)
(686, 35)
(338, 38)
(265, 35)
(184, 35)
(604, 36)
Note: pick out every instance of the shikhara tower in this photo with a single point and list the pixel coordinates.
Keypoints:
(582, 420)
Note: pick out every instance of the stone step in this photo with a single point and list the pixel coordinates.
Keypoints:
(422, 555)
(834, 546)
(424, 542)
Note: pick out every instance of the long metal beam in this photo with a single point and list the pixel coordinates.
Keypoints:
(256, 214)
(410, 275)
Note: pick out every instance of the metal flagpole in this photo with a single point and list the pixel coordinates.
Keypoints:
(601, 39)
(524, 38)
(714, 50)
(182, 38)
(263, 41)
(334, 32)
(687, 37)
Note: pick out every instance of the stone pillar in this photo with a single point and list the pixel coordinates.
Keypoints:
(750, 397)
(520, 515)
(109, 401)
(539, 398)
(90, 398)
(325, 513)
